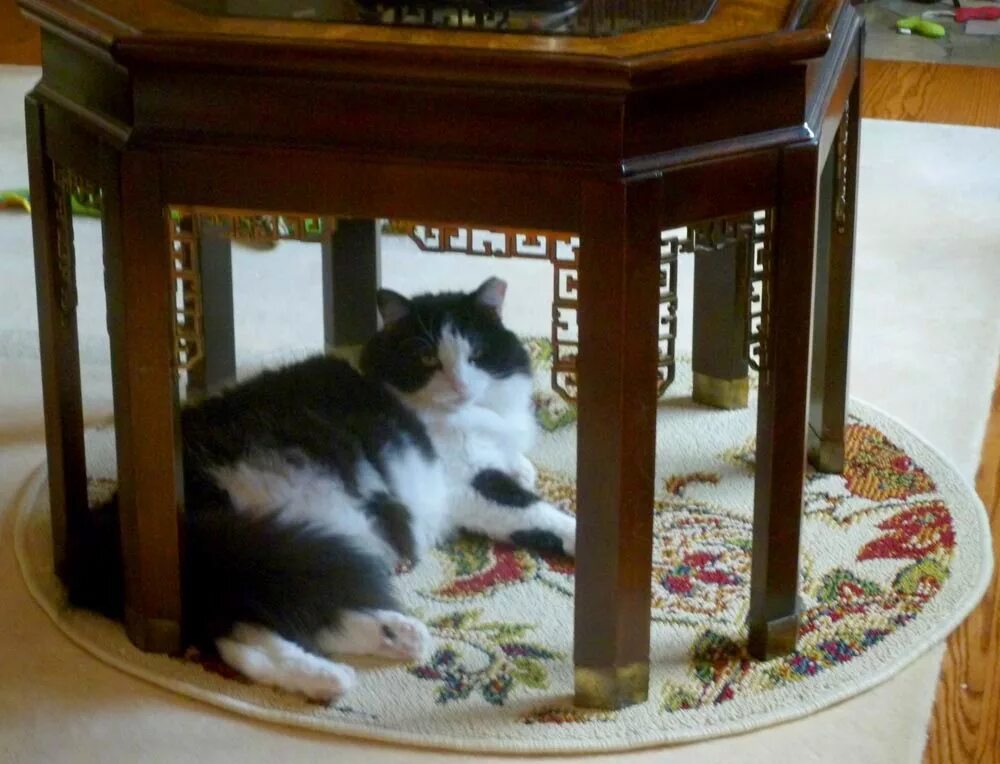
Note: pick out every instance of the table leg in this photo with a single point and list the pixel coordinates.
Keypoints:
(350, 280)
(616, 377)
(721, 313)
(139, 277)
(782, 409)
(835, 273)
(215, 263)
(55, 282)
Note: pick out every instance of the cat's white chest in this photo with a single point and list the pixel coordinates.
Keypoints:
(472, 439)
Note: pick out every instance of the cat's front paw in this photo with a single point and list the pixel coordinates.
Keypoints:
(524, 472)
(402, 637)
(329, 684)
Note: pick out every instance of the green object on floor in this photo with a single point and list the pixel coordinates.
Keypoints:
(19, 198)
(15, 199)
(922, 27)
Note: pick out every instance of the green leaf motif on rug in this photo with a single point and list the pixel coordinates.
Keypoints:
(840, 584)
(506, 659)
(469, 554)
(676, 698)
(914, 580)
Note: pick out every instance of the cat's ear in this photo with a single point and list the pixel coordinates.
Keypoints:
(392, 306)
(491, 293)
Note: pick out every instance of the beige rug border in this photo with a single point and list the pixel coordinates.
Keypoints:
(28, 495)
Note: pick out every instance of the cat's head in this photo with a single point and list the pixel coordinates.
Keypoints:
(445, 350)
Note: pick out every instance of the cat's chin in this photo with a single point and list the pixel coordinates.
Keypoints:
(451, 405)
(439, 405)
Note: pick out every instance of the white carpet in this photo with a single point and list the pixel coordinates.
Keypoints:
(926, 249)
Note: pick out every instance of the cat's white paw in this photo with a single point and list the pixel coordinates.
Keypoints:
(329, 683)
(402, 637)
(569, 543)
(524, 472)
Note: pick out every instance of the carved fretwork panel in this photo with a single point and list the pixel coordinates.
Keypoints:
(561, 250)
(760, 272)
(558, 248)
(842, 159)
(252, 228)
(69, 187)
(670, 249)
(751, 233)
(565, 301)
(184, 226)
(182, 232)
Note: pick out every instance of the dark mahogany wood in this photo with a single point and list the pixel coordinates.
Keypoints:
(739, 36)
(215, 264)
(147, 422)
(721, 318)
(350, 278)
(614, 138)
(835, 264)
(616, 369)
(782, 402)
(59, 346)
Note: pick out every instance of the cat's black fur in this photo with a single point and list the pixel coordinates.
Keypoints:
(394, 355)
(503, 489)
(321, 418)
(288, 578)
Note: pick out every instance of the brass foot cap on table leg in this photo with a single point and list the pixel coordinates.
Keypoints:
(826, 455)
(773, 639)
(153, 635)
(613, 687)
(721, 393)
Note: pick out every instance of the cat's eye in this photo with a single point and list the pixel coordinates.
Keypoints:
(430, 361)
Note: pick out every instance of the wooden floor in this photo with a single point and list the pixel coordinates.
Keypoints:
(19, 42)
(966, 723)
(925, 92)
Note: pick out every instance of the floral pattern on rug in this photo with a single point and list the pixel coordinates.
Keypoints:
(851, 614)
(898, 531)
(490, 658)
(701, 576)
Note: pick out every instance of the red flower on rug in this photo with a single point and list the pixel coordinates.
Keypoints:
(477, 566)
(918, 532)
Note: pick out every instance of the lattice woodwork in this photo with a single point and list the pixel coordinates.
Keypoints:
(184, 229)
(670, 249)
(842, 159)
(182, 232)
(760, 274)
(271, 227)
(752, 233)
(560, 249)
(69, 185)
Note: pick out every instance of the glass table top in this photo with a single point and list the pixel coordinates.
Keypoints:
(582, 18)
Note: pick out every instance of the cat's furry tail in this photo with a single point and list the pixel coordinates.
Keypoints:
(291, 578)
(95, 577)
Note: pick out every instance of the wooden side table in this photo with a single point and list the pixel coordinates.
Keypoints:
(621, 123)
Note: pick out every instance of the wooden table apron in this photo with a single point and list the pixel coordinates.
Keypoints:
(615, 168)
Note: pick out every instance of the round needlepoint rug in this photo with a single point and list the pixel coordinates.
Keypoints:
(895, 554)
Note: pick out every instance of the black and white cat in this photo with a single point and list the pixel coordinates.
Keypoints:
(307, 486)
